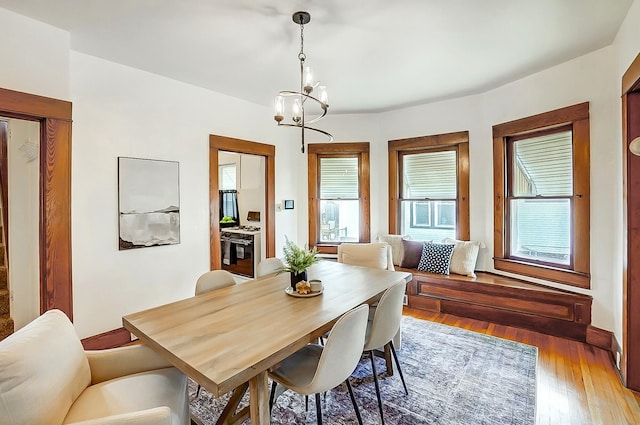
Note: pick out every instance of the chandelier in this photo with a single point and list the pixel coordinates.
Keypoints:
(300, 98)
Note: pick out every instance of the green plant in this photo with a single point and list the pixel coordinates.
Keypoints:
(297, 259)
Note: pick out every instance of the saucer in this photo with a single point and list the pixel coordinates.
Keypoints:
(290, 291)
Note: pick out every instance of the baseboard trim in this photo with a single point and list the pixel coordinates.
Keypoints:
(600, 338)
(110, 339)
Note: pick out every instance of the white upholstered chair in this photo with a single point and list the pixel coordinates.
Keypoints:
(315, 369)
(382, 329)
(268, 266)
(214, 279)
(376, 255)
(46, 377)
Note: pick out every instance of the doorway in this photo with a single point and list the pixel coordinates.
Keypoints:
(19, 185)
(54, 200)
(219, 144)
(630, 359)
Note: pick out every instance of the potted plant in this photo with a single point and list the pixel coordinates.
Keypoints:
(297, 260)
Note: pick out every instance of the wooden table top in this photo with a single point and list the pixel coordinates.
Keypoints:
(223, 338)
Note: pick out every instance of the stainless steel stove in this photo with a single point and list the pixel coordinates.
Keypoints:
(240, 248)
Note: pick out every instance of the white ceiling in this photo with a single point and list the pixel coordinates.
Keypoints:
(372, 55)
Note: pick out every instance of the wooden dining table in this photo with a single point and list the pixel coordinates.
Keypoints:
(227, 339)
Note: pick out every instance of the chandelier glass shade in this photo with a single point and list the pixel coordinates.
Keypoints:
(298, 100)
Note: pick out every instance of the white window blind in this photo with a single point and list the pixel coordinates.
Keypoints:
(429, 175)
(227, 176)
(339, 178)
(544, 165)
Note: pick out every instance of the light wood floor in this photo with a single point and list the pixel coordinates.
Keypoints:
(577, 383)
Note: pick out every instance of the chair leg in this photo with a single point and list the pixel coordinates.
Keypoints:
(318, 409)
(395, 357)
(375, 380)
(353, 401)
(306, 403)
(272, 396)
(198, 391)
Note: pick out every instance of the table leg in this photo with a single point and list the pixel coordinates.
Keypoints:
(229, 416)
(259, 399)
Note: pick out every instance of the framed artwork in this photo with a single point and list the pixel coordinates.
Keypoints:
(148, 203)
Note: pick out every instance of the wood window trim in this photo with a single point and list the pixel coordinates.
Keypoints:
(229, 144)
(459, 140)
(577, 116)
(316, 151)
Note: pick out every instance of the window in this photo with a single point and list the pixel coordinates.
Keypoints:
(541, 171)
(338, 194)
(429, 185)
(227, 176)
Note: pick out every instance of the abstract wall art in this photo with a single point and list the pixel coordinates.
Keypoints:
(148, 202)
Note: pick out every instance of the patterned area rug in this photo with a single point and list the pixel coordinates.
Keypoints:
(454, 376)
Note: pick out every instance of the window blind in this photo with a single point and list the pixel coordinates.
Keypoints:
(546, 164)
(429, 175)
(339, 178)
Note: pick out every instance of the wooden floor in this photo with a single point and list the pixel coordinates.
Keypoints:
(577, 383)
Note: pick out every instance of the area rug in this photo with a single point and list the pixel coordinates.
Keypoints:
(454, 377)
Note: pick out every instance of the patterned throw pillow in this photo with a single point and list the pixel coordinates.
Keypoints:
(436, 258)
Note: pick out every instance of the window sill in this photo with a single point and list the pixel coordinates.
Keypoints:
(567, 277)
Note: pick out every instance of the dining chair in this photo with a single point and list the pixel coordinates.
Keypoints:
(268, 266)
(315, 369)
(214, 279)
(210, 281)
(376, 255)
(382, 329)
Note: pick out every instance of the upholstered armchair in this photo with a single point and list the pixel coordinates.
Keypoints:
(46, 377)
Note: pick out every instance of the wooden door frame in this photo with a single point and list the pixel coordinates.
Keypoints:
(54, 117)
(630, 359)
(228, 144)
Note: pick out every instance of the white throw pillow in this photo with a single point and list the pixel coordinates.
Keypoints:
(465, 254)
(397, 249)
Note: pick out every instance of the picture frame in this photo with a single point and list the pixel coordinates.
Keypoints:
(148, 203)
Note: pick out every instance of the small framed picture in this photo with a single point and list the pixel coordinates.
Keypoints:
(288, 204)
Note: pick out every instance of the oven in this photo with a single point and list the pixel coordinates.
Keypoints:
(240, 250)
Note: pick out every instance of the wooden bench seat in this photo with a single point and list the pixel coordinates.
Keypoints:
(503, 300)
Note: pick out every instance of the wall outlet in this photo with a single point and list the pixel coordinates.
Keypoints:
(618, 359)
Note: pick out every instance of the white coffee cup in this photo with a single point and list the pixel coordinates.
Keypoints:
(316, 285)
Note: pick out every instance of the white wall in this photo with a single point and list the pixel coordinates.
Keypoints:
(35, 56)
(121, 111)
(24, 232)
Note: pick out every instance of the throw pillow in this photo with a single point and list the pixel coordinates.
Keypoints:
(435, 258)
(397, 250)
(411, 253)
(465, 255)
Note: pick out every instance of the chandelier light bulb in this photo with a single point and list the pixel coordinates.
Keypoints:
(297, 110)
(279, 108)
(307, 79)
(323, 95)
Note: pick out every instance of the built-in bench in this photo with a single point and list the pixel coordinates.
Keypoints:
(503, 300)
